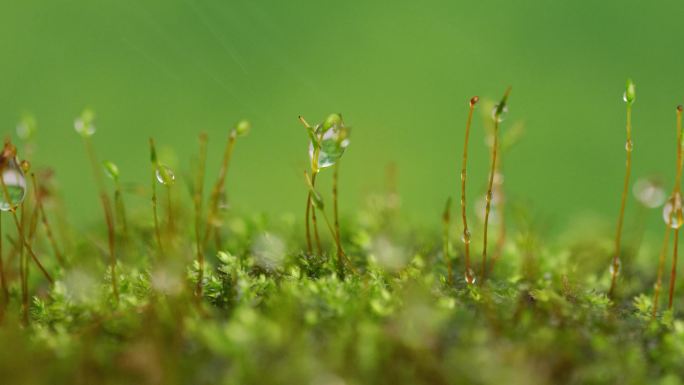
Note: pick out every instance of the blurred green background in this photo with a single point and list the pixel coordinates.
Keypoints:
(400, 72)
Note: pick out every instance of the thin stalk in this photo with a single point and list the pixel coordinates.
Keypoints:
(623, 202)
(342, 257)
(500, 109)
(314, 222)
(661, 266)
(22, 239)
(197, 198)
(157, 231)
(446, 221)
(336, 216)
(470, 279)
(48, 230)
(501, 239)
(107, 208)
(314, 173)
(678, 180)
(169, 210)
(213, 215)
(120, 208)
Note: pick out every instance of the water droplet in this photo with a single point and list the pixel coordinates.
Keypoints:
(613, 269)
(465, 237)
(629, 146)
(15, 182)
(649, 193)
(470, 277)
(84, 127)
(333, 144)
(464, 174)
(672, 211)
(499, 117)
(165, 175)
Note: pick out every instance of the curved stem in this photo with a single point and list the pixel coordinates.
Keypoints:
(464, 164)
(213, 219)
(488, 198)
(623, 202)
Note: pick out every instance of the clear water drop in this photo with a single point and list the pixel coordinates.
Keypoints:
(333, 144)
(15, 182)
(649, 193)
(672, 211)
(464, 174)
(613, 269)
(465, 237)
(470, 277)
(499, 117)
(165, 175)
(629, 146)
(624, 97)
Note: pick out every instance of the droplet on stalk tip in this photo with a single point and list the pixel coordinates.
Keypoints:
(630, 92)
(84, 124)
(15, 182)
(672, 211)
(165, 175)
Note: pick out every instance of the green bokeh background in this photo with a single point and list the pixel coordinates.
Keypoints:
(401, 72)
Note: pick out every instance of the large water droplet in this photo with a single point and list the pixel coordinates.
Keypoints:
(499, 117)
(15, 182)
(629, 146)
(649, 193)
(672, 212)
(465, 237)
(333, 144)
(165, 175)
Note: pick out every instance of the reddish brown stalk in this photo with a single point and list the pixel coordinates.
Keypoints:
(107, 208)
(623, 202)
(48, 230)
(668, 227)
(213, 219)
(199, 189)
(470, 279)
(678, 179)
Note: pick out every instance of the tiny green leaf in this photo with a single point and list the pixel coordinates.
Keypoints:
(630, 92)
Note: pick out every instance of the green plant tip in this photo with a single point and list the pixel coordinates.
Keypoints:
(15, 182)
(331, 121)
(243, 127)
(630, 92)
(111, 169)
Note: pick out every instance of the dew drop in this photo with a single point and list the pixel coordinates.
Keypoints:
(470, 277)
(499, 117)
(165, 175)
(84, 128)
(333, 144)
(464, 174)
(672, 211)
(629, 146)
(465, 237)
(613, 270)
(649, 193)
(15, 182)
